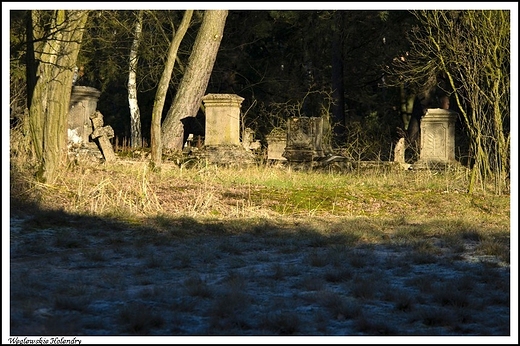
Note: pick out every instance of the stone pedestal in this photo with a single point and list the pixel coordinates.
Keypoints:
(222, 119)
(437, 139)
(83, 103)
(228, 155)
(222, 135)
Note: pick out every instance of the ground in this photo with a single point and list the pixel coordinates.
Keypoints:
(111, 279)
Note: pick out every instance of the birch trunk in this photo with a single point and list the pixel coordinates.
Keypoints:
(136, 140)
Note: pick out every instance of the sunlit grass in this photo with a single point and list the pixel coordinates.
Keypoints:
(397, 207)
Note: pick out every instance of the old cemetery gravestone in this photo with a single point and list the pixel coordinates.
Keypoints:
(399, 153)
(83, 102)
(248, 140)
(437, 149)
(276, 143)
(86, 134)
(222, 134)
(102, 134)
(304, 139)
(308, 145)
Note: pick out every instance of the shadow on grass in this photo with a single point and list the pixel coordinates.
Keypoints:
(161, 229)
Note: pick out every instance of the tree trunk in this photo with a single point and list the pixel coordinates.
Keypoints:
(338, 89)
(51, 95)
(135, 115)
(162, 88)
(195, 81)
(30, 58)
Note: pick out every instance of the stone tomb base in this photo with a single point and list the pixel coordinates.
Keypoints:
(228, 155)
(436, 165)
(85, 152)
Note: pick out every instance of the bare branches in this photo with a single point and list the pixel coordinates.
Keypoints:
(471, 49)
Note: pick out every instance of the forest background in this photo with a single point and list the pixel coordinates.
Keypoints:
(372, 71)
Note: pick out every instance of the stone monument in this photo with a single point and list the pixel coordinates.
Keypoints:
(305, 139)
(222, 119)
(222, 134)
(83, 103)
(102, 135)
(437, 139)
(276, 143)
(399, 153)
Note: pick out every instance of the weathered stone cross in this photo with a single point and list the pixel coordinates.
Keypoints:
(102, 134)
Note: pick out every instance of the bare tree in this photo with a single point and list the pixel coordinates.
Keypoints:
(472, 50)
(57, 53)
(476, 58)
(338, 89)
(162, 88)
(196, 78)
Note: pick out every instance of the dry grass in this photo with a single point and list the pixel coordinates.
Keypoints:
(260, 250)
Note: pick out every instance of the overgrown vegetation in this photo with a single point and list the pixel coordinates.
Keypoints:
(254, 250)
(478, 82)
(390, 205)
